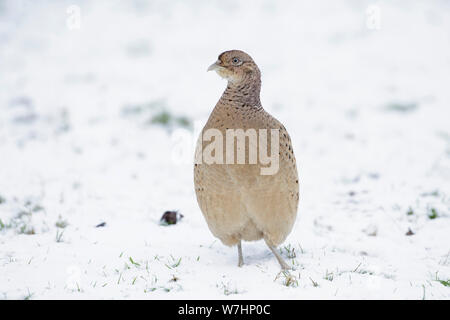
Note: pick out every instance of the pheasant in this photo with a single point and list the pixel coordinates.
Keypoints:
(239, 201)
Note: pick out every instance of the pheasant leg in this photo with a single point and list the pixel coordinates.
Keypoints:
(282, 263)
(241, 259)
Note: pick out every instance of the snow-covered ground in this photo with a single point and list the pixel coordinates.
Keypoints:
(362, 87)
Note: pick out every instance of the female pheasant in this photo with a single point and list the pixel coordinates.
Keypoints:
(238, 200)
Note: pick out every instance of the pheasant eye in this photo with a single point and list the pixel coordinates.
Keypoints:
(235, 60)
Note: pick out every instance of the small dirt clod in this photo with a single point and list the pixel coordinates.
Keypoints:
(170, 217)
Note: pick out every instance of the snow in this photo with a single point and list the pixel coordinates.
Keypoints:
(367, 109)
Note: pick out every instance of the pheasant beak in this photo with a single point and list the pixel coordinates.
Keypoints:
(215, 66)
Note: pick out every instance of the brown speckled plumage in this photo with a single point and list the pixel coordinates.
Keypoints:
(237, 201)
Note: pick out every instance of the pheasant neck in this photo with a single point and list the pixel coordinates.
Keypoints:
(243, 93)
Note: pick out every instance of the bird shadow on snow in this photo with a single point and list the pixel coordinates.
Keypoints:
(255, 253)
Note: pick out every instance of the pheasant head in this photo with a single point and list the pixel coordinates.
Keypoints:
(237, 67)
